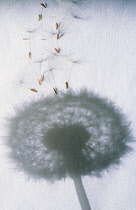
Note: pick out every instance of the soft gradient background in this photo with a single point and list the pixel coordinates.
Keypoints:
(105, 45)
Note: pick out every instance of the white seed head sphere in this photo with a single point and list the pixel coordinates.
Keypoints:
(67, 135)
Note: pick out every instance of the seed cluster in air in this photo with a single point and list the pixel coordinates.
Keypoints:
(54, 57)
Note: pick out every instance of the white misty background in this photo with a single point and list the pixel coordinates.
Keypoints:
(104, 44)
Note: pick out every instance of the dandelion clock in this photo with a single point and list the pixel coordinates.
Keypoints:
(71, 135)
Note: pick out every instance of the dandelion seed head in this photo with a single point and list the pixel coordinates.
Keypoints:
(70, 134)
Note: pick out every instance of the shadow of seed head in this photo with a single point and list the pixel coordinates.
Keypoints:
(72, 134)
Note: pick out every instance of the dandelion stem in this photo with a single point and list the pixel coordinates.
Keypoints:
(82, 197)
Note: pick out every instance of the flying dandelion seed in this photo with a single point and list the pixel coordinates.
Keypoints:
(73, 134)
